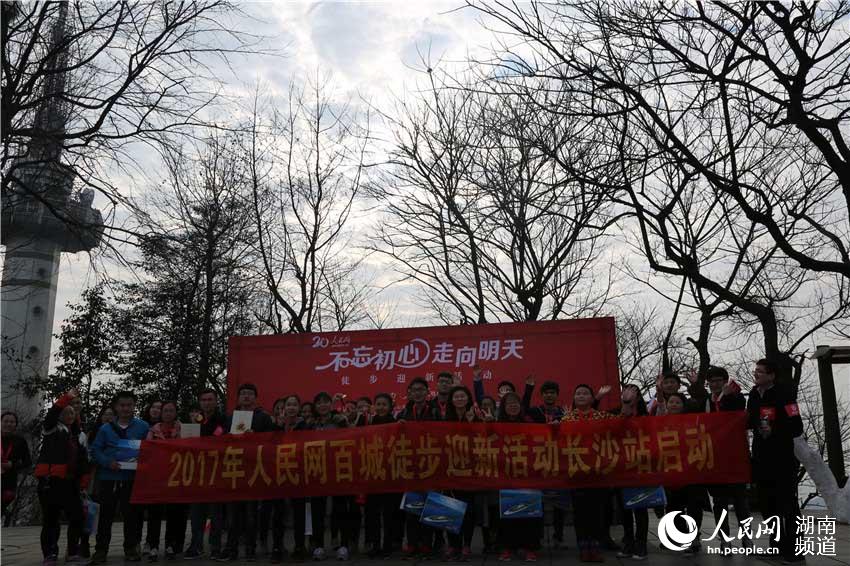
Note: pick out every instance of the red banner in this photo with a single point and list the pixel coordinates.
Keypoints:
(366, 362)
(670, 450)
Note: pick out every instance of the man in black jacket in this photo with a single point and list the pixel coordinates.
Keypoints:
(242, 515)
(212, 423)
(774, 417)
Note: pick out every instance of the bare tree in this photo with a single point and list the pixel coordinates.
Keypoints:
(762, 71)
(484, 220)
(305, 166)
(719, 166)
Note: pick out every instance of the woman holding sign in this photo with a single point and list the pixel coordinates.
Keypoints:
(168, 428)
(588, 503)
(461, 410)
(518, 534)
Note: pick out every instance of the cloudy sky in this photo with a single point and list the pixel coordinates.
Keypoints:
(374, 51)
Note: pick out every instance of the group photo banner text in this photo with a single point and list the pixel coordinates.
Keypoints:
(616, 452)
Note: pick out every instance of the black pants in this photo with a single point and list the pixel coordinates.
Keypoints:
(264, 519)
(520, 534)
(242, 521)
(689, 500)
(457, 541)
(56, 496)
(419, 536)
(723, 497)
(112, 495)
(299, 523)
(777, 496)
(558, 524)
(277, 518)
(589, 509)
(199, 513)
(635, 526)
(380, 510)
(343, 508)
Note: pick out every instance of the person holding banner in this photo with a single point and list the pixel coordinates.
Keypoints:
(381, 507)
(242, 516)
(635, 521)
(518, 535)
(168, 428)
(286, 420)
(327, 419)
(61, 463)
(115, 478)
(588, 504)
(461, 409)
(685, 498)
(725, 395)
(213, 423)
(419, 536)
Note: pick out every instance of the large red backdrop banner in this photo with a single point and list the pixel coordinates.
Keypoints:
(671, 450)
(366, 362)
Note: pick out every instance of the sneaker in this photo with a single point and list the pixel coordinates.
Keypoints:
(450, 554)
(192, 554)
(132, 555)
(466, 554)
(640, 551)
(99, 557)
(695, 548)
(228, 556)
(627, 550)
(49, 561)
(505, 556)
(319, 554)
(170, 553)
(409, 553)
(342, 553)
(531, 556)
(153, 555)
(146, 549)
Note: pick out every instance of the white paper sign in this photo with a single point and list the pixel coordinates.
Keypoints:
(190, 430)
(241, 422)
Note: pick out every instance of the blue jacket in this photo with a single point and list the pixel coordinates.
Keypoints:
(105, 446)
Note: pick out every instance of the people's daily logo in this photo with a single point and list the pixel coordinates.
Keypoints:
(670, 535)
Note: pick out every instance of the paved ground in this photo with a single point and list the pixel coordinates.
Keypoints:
(21, 548)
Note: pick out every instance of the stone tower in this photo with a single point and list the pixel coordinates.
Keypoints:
(42, 217)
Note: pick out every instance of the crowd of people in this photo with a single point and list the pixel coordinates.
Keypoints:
(71, 454)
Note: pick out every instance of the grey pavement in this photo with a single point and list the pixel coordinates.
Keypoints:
(20, 547)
